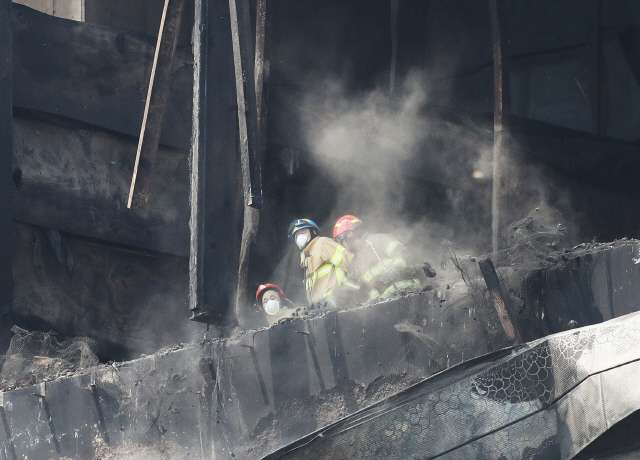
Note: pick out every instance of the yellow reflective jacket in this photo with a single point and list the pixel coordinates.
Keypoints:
(325, 264)
(367, 269)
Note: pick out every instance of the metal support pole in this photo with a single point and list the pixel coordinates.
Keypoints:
(500, 301)
(500, 126)
(6, 162)
(595, 84)
(394, 45)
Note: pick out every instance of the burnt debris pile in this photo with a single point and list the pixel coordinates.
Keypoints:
(35, 357)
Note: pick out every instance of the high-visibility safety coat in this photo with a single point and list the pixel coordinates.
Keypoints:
(380, 265)
(325, 264)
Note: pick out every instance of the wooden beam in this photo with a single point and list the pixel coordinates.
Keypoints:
(6, 163)
(261, 72)
(156, 101)
(500, 124)
(252, 215)
(198, 164)
(500, 301)
(214, 247)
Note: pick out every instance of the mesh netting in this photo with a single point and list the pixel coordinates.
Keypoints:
(35, 357)
(536, 241)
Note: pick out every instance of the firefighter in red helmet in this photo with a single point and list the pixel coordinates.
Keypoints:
(274, 303)
(324, 263)
(379, 264)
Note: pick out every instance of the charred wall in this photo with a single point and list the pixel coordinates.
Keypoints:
(80, 90)
(120, 297)
(84, 264)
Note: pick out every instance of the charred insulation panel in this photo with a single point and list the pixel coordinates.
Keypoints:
(251, 394)
(393, 374)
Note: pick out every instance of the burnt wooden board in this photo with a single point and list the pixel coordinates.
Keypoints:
(128, 301)
(77, 181)
(95, 74)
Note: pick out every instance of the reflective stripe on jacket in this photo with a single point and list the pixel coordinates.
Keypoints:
(367, 268)
(325, 264)
(396, 286)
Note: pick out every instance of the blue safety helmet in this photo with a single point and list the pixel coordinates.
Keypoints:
(299, 224)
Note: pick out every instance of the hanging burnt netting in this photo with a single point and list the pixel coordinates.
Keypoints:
(37, 356)
(537, 241)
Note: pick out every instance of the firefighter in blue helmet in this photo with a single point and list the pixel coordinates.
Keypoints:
(324, 262)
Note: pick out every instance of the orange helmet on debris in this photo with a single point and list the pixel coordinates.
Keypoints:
(344, 224)
(265, 287)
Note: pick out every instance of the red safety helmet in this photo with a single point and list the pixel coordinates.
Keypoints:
(265, 287)
(343, 225)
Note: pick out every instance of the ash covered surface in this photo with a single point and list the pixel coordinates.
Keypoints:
(163, 451)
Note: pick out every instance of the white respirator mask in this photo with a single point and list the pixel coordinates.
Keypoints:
(301, 240)
(272, 307)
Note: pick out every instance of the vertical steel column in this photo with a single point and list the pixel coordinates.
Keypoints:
(500, 125)
(214, 219)
(595, 71)
(6, 162)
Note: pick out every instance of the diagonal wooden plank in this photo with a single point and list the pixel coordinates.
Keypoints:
(156, 101)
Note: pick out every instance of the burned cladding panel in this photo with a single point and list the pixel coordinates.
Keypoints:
(589, 284)
(548, 399)
(251, 394)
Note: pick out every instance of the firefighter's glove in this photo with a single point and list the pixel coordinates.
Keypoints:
(428, 270)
